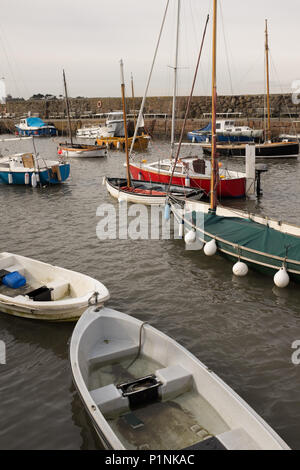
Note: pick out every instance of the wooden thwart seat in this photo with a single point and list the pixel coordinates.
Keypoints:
(111, 350)
(175, 381)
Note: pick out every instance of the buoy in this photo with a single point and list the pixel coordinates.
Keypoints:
(10, 178)
(187, 181)
(240, 269)
(33, 180)
(190, 237)
(281, 278)
(167, 211)
(210, 248)
(118, 145)
(107, 145)
(140, 176)
(193, 139)
(37, 177)
(26, 178)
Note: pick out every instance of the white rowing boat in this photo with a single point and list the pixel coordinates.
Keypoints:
(81, 150)
(145, 192)
(50, 292)
(143, 391)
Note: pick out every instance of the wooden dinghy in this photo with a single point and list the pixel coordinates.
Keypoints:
(81, 150)
(146, 192)
(144, 391)
(33, 289)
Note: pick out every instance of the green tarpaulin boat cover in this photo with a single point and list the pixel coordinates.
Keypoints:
(259, 237)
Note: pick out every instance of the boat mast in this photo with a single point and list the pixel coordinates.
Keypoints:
(268, 83)
(133, 100)
(68, 107)
(125, 124)
(214, 172)
(175, 83)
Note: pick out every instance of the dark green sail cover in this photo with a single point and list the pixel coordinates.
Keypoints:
(245, 233)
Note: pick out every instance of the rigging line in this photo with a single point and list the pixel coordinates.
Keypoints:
(148, 82)
(188, 104)
(16, 63)
(3, 39)
(250, 68)
(282, 92)
(265, 99)
(195, 41)
(226, 48)
(9, 65)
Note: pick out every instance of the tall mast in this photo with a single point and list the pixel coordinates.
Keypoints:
(68, 107)
(175, 82)
(268, 83)
(214, 173)
(133, 100)
(125, 123)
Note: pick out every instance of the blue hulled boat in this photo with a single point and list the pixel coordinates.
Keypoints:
(227, 131)
(28, 169)
(36, 127)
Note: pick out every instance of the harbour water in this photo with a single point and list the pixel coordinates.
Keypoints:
(242, 329)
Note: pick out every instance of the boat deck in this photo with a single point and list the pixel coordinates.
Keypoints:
(174, 423)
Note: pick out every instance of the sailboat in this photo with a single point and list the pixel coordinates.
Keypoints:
(284, 148)
(113, 133)
(129, 190)
(72, 149)
(35, 126)
(267, 245)
(191, 171)
(29, 168)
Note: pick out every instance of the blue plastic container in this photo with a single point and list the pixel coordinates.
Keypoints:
(14, 280)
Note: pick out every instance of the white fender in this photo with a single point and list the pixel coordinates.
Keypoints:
(210, 248)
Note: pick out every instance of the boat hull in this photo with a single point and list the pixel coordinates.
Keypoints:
(83, 151)
(200, 138)
(46, 176)
(231, 188)
(41, 132)
(258, 242)
(70, 315)
(272, 150)
(118, 143)
(145, 192)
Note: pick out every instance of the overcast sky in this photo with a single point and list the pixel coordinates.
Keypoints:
(88, 37)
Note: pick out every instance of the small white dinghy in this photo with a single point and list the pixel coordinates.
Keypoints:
(33, 289)
(81, 150)
(144, 391)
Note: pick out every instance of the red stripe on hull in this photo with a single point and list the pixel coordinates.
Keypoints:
(227, 188)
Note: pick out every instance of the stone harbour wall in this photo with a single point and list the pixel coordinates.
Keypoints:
(245, 109)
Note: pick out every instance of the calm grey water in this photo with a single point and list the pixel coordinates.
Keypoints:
(241, 328)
